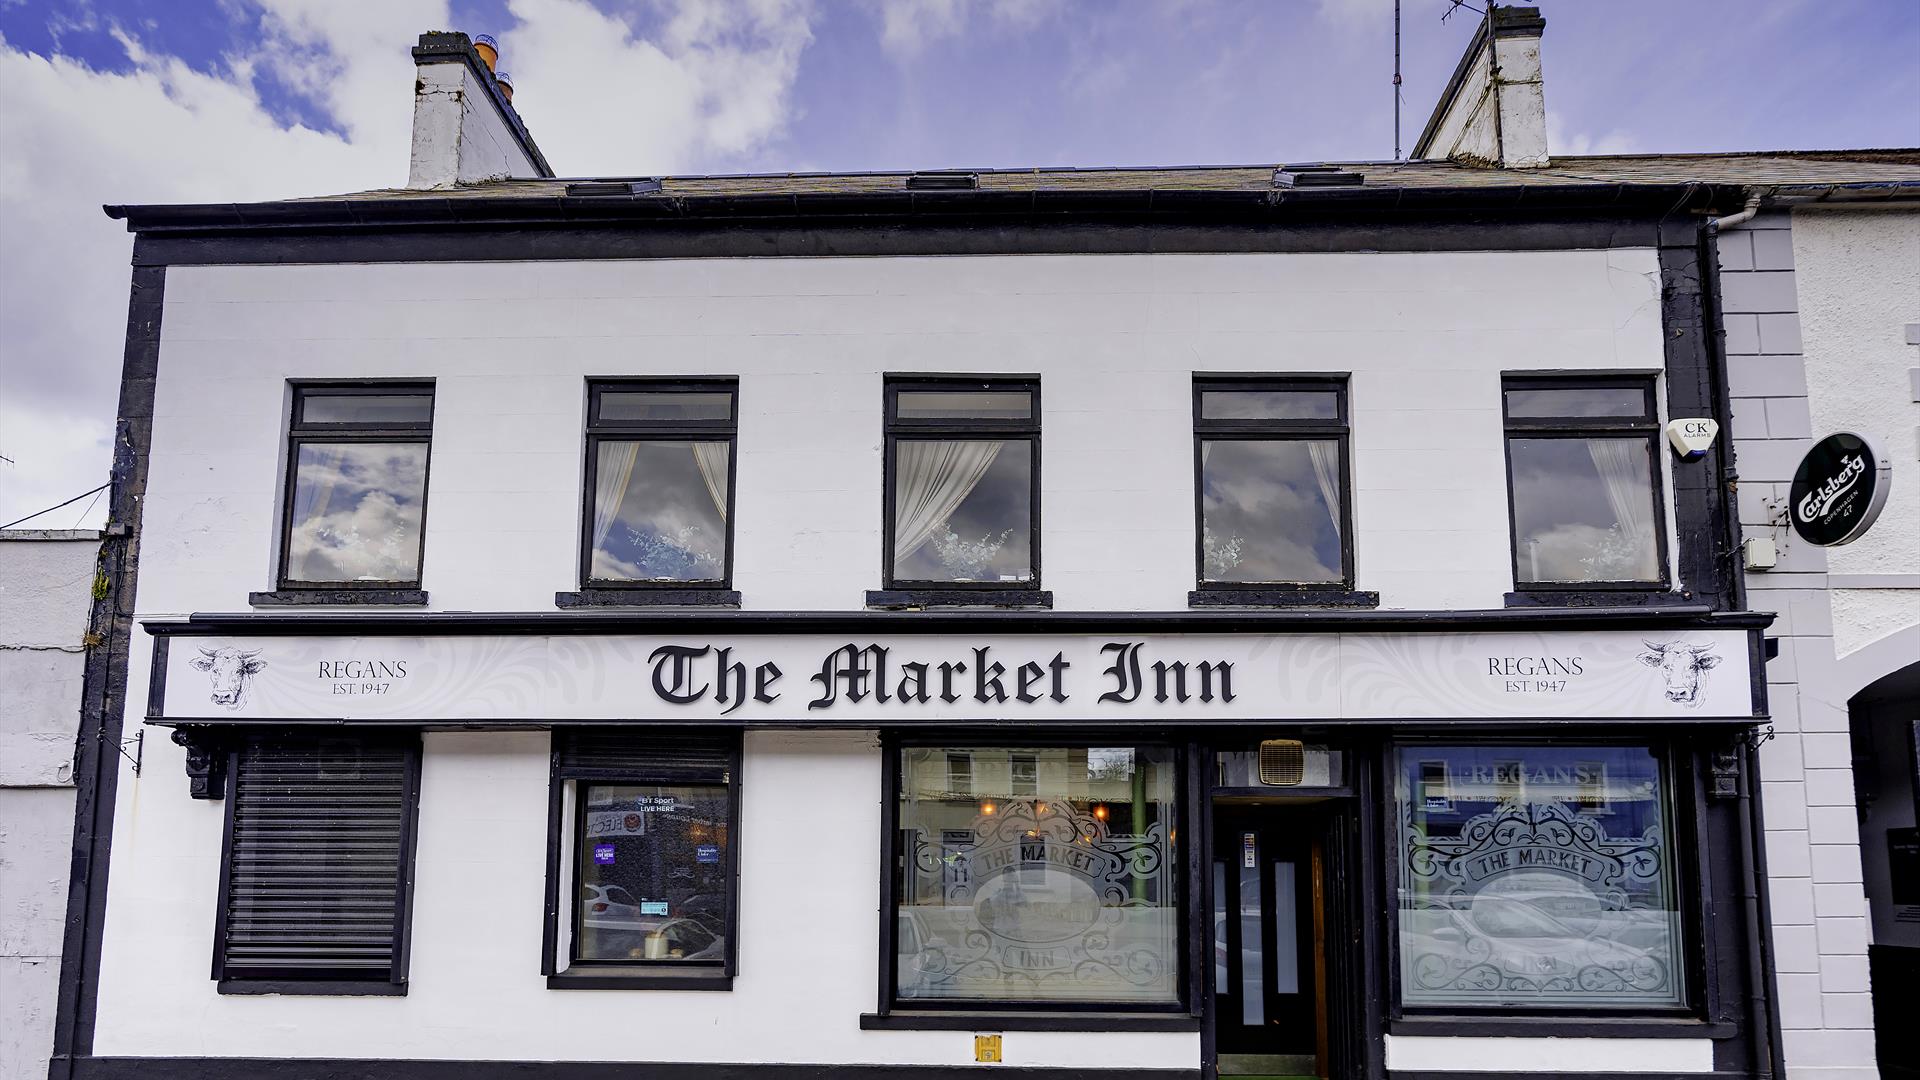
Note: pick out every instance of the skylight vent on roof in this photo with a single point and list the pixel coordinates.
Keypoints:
(1314, 174)
(943, 181)
(644, 186)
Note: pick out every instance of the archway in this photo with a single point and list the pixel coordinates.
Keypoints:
(1884, 721)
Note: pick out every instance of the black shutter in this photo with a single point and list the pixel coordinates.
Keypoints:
(317, 858)
(665, 757)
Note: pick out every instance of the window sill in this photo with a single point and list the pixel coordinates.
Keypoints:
(1618, 1027)
(1283, 598)
(619, 598)
(1595, 598)
(1026, 1021)
(912, 599)
(339, 597)
(313, 988)
(640, 980)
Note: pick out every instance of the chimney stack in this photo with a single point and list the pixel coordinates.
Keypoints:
(1494, 110)
(465, 129)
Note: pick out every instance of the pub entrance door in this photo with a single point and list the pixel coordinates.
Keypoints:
(1278, 880)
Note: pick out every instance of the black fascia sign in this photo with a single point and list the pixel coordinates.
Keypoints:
(1838, 490)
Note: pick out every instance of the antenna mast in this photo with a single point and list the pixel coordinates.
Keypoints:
(1396, 80)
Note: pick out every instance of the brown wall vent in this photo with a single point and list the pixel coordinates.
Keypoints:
(1283, 762)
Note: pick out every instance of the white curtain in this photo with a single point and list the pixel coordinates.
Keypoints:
(1622, 464)
(931, 480)
(711, 458)
(610, 479)
(1326, 471)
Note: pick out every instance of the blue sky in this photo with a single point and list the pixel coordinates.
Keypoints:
(204, 100)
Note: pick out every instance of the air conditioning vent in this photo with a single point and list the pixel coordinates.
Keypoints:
(1283, 762)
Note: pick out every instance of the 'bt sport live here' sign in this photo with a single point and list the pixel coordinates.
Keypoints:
(818, 680)
(1838, 490)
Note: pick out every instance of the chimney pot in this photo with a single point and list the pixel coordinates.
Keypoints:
(506, 85)
(488, 48)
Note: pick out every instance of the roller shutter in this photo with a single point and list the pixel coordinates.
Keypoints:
(318, 860)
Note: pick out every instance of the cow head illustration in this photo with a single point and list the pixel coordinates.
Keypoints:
(229, 668)
(1683, 665)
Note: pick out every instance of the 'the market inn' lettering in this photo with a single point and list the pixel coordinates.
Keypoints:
(687, 675)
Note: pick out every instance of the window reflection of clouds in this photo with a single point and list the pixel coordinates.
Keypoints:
(1265, 495)
(359, 508)
(668, 527)
(1270, 405)
(1577, 401)
(998, 510)
(1565, 526)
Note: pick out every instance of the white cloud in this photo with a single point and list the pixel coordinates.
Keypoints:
(1358, 13)
(713, 83)
(1564, 143)
(908, 26)
(600, 99)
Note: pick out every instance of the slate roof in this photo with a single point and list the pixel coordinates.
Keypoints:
(1795, 170)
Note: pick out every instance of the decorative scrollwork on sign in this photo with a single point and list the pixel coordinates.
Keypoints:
(1534, 901)
(1039, 893)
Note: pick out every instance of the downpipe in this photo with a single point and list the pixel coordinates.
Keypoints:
(1763, 1013)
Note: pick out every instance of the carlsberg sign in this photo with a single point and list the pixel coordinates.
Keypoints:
(1838, 490)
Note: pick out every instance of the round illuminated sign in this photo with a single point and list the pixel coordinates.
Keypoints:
(1838, 490)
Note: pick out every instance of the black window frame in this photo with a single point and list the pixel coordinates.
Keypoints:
(305, 982)
(1646, 426)
(908, 1013)
(1005, 430)
(569, 780)
(599, 430)
(301, 431)
(1340, 428)
(1685, 809)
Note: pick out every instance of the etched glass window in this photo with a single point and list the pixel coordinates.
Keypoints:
(1537, 877)
(1069, 894)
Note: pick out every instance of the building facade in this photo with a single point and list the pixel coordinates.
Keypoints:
(1822, 337)
(1107, 622)
(46, 582)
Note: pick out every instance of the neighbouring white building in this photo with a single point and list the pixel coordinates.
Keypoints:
(46, 599)
(1822, 307)
(602, 626)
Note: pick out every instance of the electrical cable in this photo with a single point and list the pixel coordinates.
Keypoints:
(51, 509)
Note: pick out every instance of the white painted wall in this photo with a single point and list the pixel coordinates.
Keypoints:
(809, 835)
(1115, 340)
(1537, 1056)
(1859, 286)
(46, 582)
